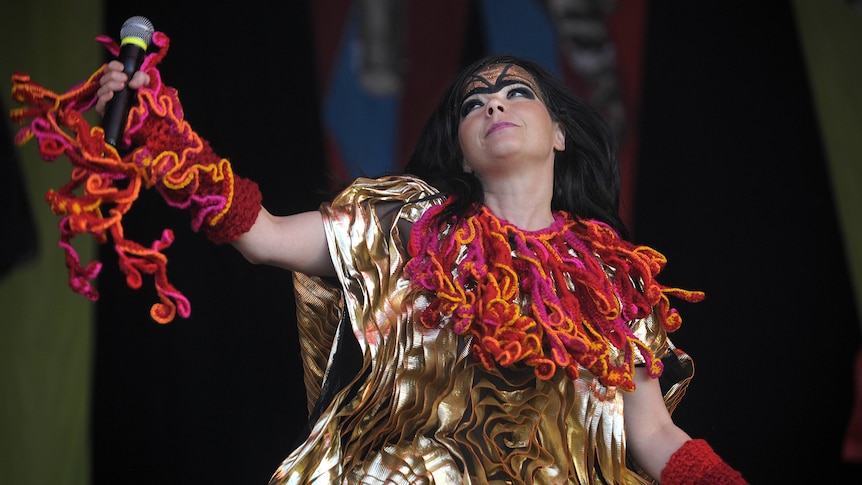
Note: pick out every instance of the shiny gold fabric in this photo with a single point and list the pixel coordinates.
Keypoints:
(423, 410)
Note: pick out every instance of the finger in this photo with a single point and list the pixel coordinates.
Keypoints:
(110, 82)
(109, 88)
(139, 79)
(102, 102)
(114, 65)
(113, 80)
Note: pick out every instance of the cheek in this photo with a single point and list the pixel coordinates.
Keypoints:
(464, 136)
(468, 145)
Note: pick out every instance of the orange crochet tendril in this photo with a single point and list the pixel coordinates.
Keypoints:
(483, 268)
(103, 185)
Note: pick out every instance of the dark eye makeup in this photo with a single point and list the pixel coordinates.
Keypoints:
(518, 90)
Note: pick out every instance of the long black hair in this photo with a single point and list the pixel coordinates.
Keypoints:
(586, 173)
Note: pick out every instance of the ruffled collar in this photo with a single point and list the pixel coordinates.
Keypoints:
(552, 299)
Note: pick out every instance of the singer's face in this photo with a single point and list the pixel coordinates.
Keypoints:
(504, 122)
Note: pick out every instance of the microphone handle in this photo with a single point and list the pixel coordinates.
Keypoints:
(117, 110)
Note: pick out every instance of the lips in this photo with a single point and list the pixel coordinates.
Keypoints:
(499, 126)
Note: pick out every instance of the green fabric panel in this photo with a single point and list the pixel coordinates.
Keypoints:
(46, 330)
(831, 38)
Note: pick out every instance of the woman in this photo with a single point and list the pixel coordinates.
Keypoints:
(507, 332)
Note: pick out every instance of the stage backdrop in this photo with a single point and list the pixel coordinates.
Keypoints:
(728, 176)
(831, 41)
(46, 331)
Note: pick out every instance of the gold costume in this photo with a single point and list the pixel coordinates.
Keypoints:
(421, 410)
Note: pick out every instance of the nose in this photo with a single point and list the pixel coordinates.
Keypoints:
(494, 104)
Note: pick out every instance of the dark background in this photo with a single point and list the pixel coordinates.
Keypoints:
(733, 188)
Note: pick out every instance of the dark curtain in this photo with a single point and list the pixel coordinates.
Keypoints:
(732, 187)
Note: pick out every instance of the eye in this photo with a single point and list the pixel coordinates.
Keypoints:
(470, 105)
(521, 91)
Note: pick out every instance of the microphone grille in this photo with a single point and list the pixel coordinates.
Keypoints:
(139, 28)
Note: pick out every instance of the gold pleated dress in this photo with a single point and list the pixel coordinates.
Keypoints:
(421, 410)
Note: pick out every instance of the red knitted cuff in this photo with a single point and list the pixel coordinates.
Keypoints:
(242, 214)
(184, 168)
(695, 463)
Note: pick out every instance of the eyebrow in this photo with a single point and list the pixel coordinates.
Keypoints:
(498, 86)
(503, 80)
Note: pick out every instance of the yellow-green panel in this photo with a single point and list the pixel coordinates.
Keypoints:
(831, 37)
(45, 329)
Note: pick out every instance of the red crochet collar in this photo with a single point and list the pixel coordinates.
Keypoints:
(550, 299)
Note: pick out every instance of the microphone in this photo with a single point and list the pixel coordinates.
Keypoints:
(136, 34)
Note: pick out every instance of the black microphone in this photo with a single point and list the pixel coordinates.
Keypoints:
(135, 36)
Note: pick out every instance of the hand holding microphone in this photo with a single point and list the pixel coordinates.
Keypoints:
(175, 159)
(165, 154)
(136, 34)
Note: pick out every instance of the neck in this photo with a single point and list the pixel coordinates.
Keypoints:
(520, 190)
(523, 202)
(528, 218)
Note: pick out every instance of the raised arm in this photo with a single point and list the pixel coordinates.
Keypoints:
(294, 242)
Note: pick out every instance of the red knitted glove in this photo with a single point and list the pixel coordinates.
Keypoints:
(184, 168)
(695, 463)
(103, 186)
